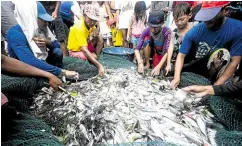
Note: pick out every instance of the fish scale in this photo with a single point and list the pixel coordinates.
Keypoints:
(105, 110)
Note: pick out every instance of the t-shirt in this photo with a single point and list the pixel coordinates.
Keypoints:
(117, 37)
(126, 11)
(7, 17)
(177, 39)
(69, 9)
(161, 42)
(78, 36)
(158, 5)
(49, 6)
(199, 41)
(65, 11)
(18, 48)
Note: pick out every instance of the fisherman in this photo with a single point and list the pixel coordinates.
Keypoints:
(217, 31)
(80, 45)
(33, 51)
(156, 39)
(57, 25)
(181, 14)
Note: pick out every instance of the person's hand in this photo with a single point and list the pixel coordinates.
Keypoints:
(168, 68)
(71, 74)
(140, 68)
(128, 38)
(55, 14)
(54, 81)
(155, 71)
(41, 42)
(101, 70)
(200, 91)
(175, 82)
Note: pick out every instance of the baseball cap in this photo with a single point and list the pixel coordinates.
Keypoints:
(92, 11)
(210, 9)
(156, 18)
(42, 14)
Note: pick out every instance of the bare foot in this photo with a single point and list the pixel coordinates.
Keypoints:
(147, 66)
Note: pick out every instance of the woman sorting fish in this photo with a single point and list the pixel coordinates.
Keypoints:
(155, 40)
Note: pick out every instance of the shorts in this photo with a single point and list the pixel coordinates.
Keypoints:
(146, 41)
(80, 54)
(134, 40)
(107, 35)
(156, 59)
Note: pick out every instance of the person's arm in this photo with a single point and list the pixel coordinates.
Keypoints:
(229, 71)
(144, 34)
(117, 22)
(90, 57)
(169, 54)
(184, 49)
(228, 89)
(17, 67)
(166, 46)
(108, 10)
(231, 89)
(178, 68)
(56, 11)
(19, 45)
(130, 29)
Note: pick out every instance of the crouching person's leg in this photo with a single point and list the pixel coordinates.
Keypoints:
(98, 42)
(55, 57)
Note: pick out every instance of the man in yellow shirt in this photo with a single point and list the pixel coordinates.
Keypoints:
(79, 42)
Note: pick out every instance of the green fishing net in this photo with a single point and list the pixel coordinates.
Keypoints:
(20, 90)
(189, 78)
(228, 111)
(84, 68)
(114, 62)
(27, 130)
(228, 138)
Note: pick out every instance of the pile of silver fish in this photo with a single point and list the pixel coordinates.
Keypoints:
(124, 107)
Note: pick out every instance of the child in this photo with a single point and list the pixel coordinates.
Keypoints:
(182, 14)
(158, 43)
(138, 23)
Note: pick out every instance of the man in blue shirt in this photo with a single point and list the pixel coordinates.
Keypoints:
(217, 31)
(19, 48)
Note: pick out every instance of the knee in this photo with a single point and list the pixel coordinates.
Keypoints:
(57, 53)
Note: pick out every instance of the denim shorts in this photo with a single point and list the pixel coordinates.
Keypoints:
(135, 40)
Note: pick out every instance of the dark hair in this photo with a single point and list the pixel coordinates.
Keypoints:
(140, 8)
(181, 9)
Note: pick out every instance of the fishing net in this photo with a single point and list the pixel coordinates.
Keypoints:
(19, 90)
(228, 111)
(27, 130)
(189, 78)
(84, 68)
(114, 62)
(228, 138)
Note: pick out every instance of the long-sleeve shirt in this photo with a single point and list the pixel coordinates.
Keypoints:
(18, 48)
(146, 34)
(228, 89)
